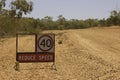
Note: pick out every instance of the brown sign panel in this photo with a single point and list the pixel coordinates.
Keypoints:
(35, 57)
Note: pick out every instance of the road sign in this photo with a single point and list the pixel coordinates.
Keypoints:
(44, 49)
(46, 43)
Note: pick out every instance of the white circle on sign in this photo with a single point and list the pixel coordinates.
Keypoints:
(45, 43)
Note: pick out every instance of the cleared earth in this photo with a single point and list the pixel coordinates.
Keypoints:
(85, 54)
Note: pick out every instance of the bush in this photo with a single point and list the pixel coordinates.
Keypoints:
(60, 42)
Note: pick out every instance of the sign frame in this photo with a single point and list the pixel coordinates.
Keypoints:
(36, 52)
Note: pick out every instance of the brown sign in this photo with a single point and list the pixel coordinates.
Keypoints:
(35, 57)
(44, 49)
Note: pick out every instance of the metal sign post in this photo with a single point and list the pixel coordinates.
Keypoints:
(44, 50)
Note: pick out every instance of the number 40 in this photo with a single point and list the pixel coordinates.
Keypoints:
(46, 43)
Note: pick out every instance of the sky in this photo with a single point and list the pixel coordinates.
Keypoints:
(73, 9)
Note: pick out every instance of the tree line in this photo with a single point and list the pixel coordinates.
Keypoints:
(12, 22)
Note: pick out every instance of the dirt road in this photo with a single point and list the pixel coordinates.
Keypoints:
(85, 54)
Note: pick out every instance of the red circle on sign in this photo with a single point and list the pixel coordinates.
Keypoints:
(52, 43)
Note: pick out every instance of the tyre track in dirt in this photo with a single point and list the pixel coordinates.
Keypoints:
(98, 52)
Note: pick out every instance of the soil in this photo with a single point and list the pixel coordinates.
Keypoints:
(84, 54)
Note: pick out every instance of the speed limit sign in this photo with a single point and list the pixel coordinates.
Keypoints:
(46, 43)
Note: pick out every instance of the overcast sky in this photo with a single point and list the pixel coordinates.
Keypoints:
(74, 9)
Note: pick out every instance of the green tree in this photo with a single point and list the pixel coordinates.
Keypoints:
(61, 22)
(114, 18)
(91, 22)
(102, 22)
(18, 7)
(47, 23)
(2, 4)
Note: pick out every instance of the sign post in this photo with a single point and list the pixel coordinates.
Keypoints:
(44, 50)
